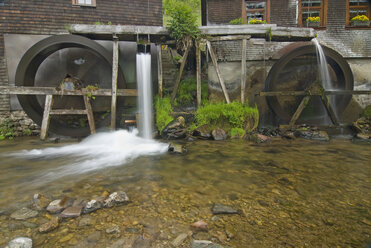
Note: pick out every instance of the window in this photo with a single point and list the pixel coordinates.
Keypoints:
(312, 8)
(84, 2)
(357, 7)
(257, 10)
(1, 2)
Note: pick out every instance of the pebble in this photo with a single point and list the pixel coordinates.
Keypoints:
(20, 242)
(113, 230)
(179, 240)
(204, 244)
(94, 237)
(86, 221)
(223, 209)
(59, 205)
(23, 214)
(71, 212)
(49, 226)
(92, 206)
(40, 201)
(116, 198)
(66, 238)
(199, 226)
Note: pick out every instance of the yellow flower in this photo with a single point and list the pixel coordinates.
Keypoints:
(313, 19)
(360, 18)
(257, 21)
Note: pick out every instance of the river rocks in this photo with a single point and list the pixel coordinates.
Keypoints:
(20, 242)
(86, 221)
(40, 201)
(363, 136)
(175, 129)
(262, 138)
(219, 134)
(23, 214)
(72, 212)
(179, 240)
(320, 136)
(199, 226)
(49, 226)
(113, 230)
(116, 198)
(176, 148)
(204, 244)
(59, 205)
(92, 206)
(223, 209)
(202, 132)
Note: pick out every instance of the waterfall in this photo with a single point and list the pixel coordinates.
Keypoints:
(144, 94)
(324, 72)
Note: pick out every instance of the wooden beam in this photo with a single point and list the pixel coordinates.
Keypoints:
(185, 56)
(229, 37)
(115, 65)
(198, 73)
(19, 90)
(215, 63)
(90, 114)
(46, 117)
(159, 70)
(330, 110)
(68, 112)
(243, 70)
(304, 102)
(304, 93)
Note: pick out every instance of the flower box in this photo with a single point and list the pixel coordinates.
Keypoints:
(360, 23)
(312, 24)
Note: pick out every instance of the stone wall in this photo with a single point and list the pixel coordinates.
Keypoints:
(21, 123)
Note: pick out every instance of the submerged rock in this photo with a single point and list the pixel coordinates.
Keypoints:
(179, 240)
(320, 135)
(223, 209)
(176, 148)
(219, 134)
(23, 214)
(175, 129)
(40, 201)
(199, 226)
(116, 198)
(49, 226)
(72, 212)
(113, 230)
(57, 206)
(204, 244)
(92, 206)
(20, 242)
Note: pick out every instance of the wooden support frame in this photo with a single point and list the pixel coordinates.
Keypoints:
(159, 70)
(115, 65)
(176, 86)
(46, 117)
(215, 63)
(89, 113)
(243, 70)
(198, 73)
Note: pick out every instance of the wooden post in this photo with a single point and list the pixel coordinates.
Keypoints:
(329, 109)
(198, 73)
(185, 56)
(243, 70)
(159, 70)
(304, 102)
(46, 117)
(215, 63)
(115, 65)
(89, 113)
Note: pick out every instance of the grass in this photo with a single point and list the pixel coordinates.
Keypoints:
(187, 92)
(163, 110)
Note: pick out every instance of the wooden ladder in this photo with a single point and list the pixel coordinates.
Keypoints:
(48, 111)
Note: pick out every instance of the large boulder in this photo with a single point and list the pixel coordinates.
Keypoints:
(175, 129)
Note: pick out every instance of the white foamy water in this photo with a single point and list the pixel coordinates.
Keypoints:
(144, 94)
(97, 152)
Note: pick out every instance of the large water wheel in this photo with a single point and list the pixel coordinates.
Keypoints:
(298, 71)
(46, 64)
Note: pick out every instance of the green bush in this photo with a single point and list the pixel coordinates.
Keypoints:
(228, 116)
(163, 110)
(237, 21)
(236, 131)
(6, 130)
(187, 92)
(367, 112)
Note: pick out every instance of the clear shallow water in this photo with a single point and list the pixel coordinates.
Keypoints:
(289, 193)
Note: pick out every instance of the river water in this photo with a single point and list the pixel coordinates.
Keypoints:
(288, 194)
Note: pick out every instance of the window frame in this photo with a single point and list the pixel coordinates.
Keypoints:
(267, 10)
(347, 14)
(323, 14)
(76, 3)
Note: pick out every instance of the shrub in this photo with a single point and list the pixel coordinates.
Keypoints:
(237, 21)
(163, 110)
(236, 131)
(188, 92)
(228, 116)
(6, 130)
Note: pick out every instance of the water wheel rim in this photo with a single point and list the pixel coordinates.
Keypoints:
(335, 60)
(31, 61)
